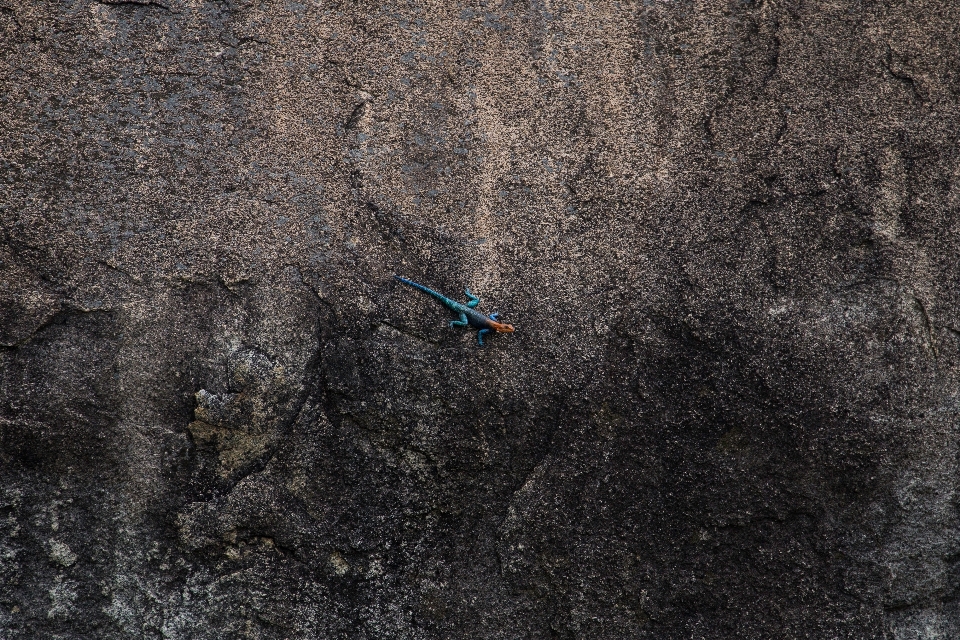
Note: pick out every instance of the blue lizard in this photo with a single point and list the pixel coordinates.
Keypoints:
(468, 315)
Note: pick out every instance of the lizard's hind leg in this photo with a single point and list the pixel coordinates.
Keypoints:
(474, 300)
(480, 335)
(462, 322)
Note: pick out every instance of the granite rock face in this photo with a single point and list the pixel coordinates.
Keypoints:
(726, 232)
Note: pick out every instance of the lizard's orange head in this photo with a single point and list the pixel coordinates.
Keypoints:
(501, 327)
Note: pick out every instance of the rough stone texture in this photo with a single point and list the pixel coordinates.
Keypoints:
(726, 231)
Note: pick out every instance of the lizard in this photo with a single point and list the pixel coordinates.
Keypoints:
(469, 316)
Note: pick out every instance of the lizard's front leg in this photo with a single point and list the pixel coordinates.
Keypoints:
(462, 322)
(480, 335)
(474, 300)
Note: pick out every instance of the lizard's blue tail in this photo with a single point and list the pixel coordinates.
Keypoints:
(417, 285)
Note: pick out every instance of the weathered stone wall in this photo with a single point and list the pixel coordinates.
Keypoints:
(726, 231)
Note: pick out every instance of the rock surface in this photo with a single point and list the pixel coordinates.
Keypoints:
(727, 233)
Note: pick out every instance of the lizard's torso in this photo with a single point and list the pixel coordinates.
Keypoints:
(476, 319)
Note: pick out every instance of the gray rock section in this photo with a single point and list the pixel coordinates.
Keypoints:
(726, 232)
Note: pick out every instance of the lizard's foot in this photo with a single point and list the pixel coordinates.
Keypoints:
(494, 315)
(480, 336)
(474, 300)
